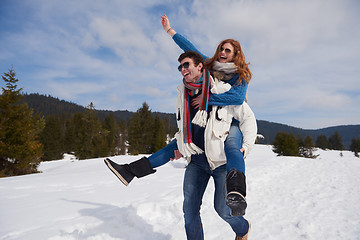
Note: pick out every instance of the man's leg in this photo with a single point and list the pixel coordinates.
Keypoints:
(238, 223)
(195, 182)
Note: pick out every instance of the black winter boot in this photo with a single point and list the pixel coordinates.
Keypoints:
(126, 172)
(236, 188)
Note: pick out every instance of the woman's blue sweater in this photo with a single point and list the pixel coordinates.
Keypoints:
(235, 96)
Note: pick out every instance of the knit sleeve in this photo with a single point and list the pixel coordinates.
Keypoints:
(235, 96)
(185, 44)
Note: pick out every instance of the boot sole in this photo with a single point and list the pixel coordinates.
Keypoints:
(237, 203)
(118, 175)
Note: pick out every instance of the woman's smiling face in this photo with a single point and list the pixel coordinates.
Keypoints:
(226, 53)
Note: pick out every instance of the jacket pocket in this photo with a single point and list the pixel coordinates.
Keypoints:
(221, 123)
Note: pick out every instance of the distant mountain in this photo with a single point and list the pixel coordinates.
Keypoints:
(47, 105)
(270, 129)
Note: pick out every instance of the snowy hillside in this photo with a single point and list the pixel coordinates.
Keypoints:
(289, 198)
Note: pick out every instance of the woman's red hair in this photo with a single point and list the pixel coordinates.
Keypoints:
(239, 60)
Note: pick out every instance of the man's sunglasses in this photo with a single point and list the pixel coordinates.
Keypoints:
(185, 65)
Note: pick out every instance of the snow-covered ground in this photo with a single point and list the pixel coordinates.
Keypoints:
(289, 198)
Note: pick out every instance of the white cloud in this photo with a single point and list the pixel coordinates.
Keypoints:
(271, 29)
(304, 54)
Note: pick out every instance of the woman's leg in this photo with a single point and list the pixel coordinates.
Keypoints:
(144, 166)
(235, 167)
(238, 223)
(233, 144)
(163, 156)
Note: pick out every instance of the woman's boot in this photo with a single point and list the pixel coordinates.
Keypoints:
(236, 188)
(126, 172)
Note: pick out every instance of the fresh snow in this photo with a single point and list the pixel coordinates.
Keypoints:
(288, 198)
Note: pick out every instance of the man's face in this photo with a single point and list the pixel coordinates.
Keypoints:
(226, 53)
(189, 71)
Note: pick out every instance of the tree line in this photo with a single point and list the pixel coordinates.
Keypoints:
(26, 138)
(286, 144)
(86, 136)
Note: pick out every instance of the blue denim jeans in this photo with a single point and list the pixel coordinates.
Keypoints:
(233, 144)
(196, 178)
(163, 156)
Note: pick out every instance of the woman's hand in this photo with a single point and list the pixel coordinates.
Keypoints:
(166, 25)
(177, 155)
(196, 101)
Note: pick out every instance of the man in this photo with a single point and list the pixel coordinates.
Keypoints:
(198, 171)
(190, 143)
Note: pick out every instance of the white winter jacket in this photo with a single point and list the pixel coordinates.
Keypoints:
(217, 127)
(185, 149)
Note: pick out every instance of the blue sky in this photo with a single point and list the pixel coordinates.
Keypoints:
(304, 55)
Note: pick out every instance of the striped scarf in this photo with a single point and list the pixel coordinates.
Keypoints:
(201, 116)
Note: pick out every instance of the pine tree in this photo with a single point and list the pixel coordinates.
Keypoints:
(92, 135)
(300, 143)
(141, 131)
(335, 142)
(121, 146)
(322, 142)
(72, 125)
(110, 125)
(20, 149)
(355, 146)
(299, 140)
(308, 148)
(285, 144)
(85, 136)
(171, 129)
(52, 137)
(159, 134)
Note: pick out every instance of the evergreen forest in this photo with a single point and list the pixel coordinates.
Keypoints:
(35, 128)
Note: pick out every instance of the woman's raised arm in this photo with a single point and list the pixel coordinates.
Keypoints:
(166, 25)
(181, 41)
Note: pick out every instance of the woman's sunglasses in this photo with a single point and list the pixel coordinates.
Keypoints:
(185, 65)
(225, 49)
